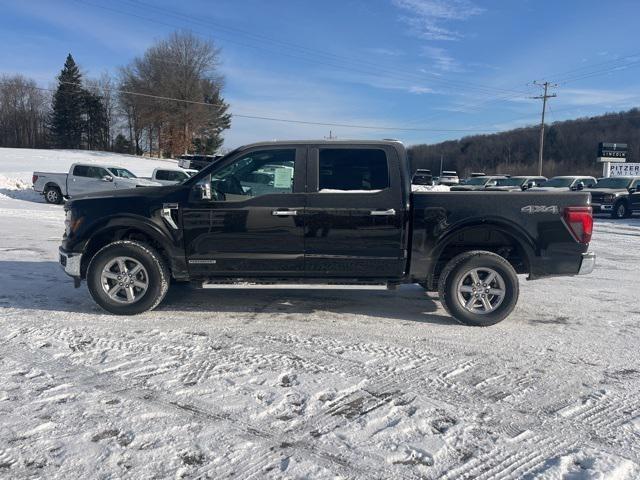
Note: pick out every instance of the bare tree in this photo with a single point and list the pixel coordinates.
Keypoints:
(174, 90)
(23, 113)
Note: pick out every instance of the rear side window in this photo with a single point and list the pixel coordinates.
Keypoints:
(81, 171)
(353, 169)
(170, 175)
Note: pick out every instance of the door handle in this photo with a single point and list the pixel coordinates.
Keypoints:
(284, 213)
(383, 213)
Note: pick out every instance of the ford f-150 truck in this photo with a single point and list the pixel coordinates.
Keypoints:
(85, 178)
(619, 196)
(333, 212)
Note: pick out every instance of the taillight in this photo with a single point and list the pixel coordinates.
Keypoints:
(34, 179)
(580, 223)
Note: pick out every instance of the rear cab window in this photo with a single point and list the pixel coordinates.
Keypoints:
(356, 170)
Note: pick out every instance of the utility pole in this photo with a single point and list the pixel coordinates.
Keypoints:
(331, 136)
(543, 97)
(441, 164)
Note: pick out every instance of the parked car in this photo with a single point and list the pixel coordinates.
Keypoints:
(343, 214)
(171, 176)
(477, 174)
(619, 196)
(449, 177)
(85, 178)
(477, 183)
(196, 162)
(422, 177)
(566, 183)
(516, 183)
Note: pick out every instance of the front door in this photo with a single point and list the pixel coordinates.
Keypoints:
(354, 221)
(88, 179)
(253, 224)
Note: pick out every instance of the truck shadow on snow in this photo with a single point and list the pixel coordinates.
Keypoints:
(34, 285)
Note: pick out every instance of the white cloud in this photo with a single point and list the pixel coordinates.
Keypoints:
(599, 97)
(426, 17)
(442, 60)
(389, 52)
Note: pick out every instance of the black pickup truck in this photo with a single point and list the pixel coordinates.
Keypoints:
(323, 212)
(619, 196)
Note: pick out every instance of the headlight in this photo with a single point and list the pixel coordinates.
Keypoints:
(67, 222)
(608, 198)
(71, 224)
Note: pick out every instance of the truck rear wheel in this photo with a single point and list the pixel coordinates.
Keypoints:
(478, 288)
(127, 278)
(53, 195)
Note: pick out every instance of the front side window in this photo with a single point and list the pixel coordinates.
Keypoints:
(122, 173)
(558, 182)
(97, 172)
(257, 173)
(613, 182)
(352, 169)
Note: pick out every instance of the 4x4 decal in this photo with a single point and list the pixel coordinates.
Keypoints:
(531, 209)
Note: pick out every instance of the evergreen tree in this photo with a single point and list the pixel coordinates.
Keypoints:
(121, 144)
(96, 125)
(68, 105)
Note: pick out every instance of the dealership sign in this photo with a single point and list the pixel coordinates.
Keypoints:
(612, 152)
(625, 170)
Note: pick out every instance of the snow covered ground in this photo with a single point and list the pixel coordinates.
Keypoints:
(309, 383)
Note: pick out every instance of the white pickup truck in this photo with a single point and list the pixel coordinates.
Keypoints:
(85, 178)
(171, 176)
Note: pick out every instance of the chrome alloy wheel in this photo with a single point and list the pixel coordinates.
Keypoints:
(481, 290)
(52, 196)
(124, 280)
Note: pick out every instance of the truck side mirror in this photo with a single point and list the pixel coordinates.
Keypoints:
(203, 189)
(107, 178)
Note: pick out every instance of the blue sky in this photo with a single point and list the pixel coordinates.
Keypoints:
(443, 68)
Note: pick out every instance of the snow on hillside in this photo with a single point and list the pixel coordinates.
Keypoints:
(309, 383)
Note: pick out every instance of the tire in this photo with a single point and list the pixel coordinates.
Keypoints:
(53, 195)
(457, 284)
(620, 210)
(116, 265)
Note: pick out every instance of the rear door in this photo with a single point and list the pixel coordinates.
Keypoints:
(354, 214)
(253, 226)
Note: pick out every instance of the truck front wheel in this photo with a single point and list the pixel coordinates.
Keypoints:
(621, 210)
(127, 278)
(478, 288)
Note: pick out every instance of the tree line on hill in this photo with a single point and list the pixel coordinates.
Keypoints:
(165, 103)
(570, 147)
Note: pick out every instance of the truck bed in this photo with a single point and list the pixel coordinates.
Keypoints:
(532, 219)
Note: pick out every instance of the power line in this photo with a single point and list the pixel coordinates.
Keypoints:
(277, 119)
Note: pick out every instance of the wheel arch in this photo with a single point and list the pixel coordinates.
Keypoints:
(127, 228)
(492, 235)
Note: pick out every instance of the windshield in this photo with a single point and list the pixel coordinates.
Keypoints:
(613, 182)
(558, 182)
(510, 182)
(477, 181)
(122, 172)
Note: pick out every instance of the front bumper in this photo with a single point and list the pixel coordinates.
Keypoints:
(588, 263)
(70, 262)
(601, 207)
